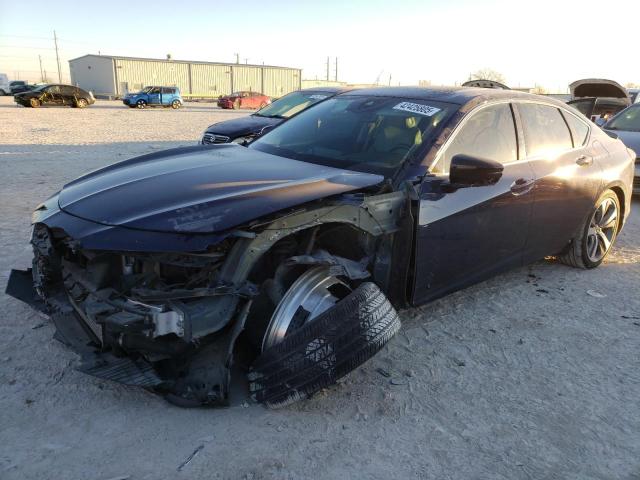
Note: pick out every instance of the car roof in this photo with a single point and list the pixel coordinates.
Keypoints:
(457, 95)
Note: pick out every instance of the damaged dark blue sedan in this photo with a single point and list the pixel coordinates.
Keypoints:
(179, 270)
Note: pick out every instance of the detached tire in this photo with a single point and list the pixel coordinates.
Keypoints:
(325, 349)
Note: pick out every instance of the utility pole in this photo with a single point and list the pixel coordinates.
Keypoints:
(237, 58)
(389, 79)
(336, 69)
(41, 74)
(327, 69)
(55, 40)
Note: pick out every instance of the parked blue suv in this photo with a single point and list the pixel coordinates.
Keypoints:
(154, 97)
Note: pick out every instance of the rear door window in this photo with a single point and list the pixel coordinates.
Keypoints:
(489, 134)
(546, 133)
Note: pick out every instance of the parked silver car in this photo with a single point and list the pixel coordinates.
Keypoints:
(626, 125)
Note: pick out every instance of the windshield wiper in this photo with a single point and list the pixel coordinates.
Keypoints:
(258, 114)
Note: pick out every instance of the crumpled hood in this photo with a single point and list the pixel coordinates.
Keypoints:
(251, 124)
(202, 189)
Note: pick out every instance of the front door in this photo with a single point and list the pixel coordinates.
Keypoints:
(466, 234)
(155, 96)
(52, 96)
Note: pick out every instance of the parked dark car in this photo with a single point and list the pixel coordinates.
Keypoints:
(598, 99)
(626, 126)
(245, 129)
(19, 86)
(55, 95)
(286, 258)
(237, 100)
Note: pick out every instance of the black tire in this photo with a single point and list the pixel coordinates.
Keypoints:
(141, 104)
(576, 253)
(175, 104)
(325, 349)
(81, 103)
(34, 102)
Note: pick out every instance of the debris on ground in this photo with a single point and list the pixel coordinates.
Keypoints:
(190, 457)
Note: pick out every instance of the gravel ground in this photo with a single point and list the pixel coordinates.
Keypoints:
(526, 376)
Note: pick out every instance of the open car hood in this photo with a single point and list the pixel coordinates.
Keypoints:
(598, 87)
(202, 189)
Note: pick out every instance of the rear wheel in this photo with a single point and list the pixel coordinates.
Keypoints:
(591, 246)
(176, 104)
(34, 102)
(141, 104)
(320, 329)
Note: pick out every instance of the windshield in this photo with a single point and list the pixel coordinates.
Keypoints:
(293, 103)
(146, 90)
(628, 120)
(40, 87)
(367, 134)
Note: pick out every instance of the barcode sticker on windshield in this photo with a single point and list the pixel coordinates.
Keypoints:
(318, 97)
(417, 108)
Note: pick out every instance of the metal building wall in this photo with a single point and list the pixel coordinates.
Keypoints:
(280, 81)
(209, 79)
(246, 78)
(93, 73)
(134, 74)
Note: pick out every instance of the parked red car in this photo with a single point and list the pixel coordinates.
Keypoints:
(236, 100)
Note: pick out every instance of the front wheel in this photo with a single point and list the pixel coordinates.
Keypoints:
(81, 103)
(141, 104)
(319, 331)
(175, 104)
(591, 246)
(34, 102)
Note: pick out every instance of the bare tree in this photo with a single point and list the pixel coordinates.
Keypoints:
(487, 74)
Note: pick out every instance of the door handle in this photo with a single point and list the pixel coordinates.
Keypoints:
(522, 186)
(584, 161)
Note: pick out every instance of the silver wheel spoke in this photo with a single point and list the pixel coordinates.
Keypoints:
(609, 220)
(604, 241)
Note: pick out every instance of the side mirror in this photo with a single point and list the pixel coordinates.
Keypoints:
(469, 171)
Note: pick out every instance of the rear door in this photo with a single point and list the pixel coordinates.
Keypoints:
(565, 164)
(167, 95)
(468, 234)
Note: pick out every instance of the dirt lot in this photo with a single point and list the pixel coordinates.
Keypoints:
(534, 374)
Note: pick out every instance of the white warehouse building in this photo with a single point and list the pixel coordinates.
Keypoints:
(106, 75)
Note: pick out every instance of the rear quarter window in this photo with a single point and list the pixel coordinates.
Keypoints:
(579, 129)
(546, 133)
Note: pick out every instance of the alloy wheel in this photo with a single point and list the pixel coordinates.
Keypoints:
(314, 292)
(602, 230)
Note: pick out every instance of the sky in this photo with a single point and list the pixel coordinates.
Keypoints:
(549, 43)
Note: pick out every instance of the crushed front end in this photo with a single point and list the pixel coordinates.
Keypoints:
(156, 320)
